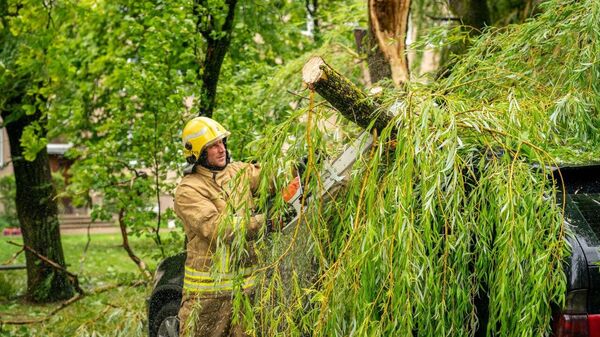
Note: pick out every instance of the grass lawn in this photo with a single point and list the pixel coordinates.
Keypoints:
(118, 312)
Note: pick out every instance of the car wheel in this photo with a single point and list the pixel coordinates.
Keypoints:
(166, 322)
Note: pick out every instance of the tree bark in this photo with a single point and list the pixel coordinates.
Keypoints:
(311, 9)
(388, 21)
(378, 67)
(38, 214)
(217, 40)
(348, 99)
(474, 15)
(471, 13)
(504, 12)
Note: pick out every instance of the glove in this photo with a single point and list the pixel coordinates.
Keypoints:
(277, 224)
(290, 191)
(300, 167)
(272, 226)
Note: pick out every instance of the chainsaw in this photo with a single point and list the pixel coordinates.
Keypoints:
(332, 176)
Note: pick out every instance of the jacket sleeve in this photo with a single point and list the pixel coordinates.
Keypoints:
(202, 218)
(253, 172)
(199, 215)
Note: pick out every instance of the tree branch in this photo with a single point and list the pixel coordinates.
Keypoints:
(141, 265)
(14, 257)
(348, 99)
(72, 277)
(157, 184)
(47, 317)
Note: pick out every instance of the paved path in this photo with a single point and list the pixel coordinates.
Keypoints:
(74, 231)
(93, 230)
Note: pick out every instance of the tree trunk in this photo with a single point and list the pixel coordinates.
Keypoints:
(348, 99)
(217, 40)
(474, 15)
(38, 214)
(471, 13)
(388, 21)
(378, 66)
(311, 9)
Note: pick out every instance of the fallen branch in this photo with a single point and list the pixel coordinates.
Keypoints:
(72, 277)
(69, 302)
(14, 257)
(47, 317)
(343, 95)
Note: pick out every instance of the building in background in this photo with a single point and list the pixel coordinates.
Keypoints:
(70, 217)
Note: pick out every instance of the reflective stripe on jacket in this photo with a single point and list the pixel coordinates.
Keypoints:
(202, 200)
(198, 281)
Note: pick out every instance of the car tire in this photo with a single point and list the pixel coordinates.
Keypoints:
(166, 323)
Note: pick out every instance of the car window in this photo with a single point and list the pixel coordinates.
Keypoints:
(589, 206)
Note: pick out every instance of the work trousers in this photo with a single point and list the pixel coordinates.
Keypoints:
(213, 317)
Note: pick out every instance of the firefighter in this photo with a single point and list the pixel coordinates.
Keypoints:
(215, 202)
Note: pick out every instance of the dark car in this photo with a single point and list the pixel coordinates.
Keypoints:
(165, 299)
(580, 316)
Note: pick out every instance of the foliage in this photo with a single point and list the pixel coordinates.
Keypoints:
(451, 207)
(131, 84)
(260, 78)
(126, 102)
(431, 218)
(456, 22)
(28, 30)
(541, 78)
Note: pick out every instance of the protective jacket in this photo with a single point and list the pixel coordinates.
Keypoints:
(202, 200)
(216, 205)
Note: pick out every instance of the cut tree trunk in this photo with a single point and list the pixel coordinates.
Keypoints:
(388, 20)
(38, 215)
(346, 97)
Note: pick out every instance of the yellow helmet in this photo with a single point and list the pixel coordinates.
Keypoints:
(199, 133)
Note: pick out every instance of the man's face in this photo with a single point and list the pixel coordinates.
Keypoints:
(216, 155)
